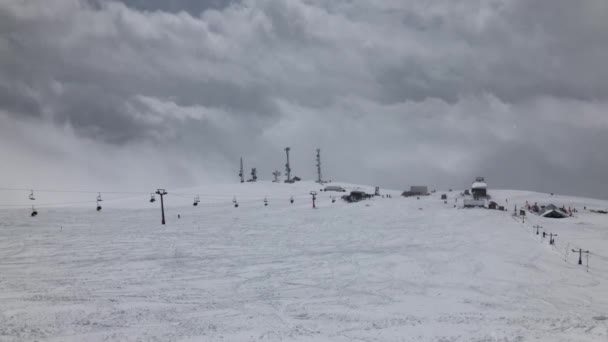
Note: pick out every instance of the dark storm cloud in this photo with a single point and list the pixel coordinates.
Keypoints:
(445, 89)
(98, 113)
(516, 50)
(559, 173)
(193, 7)
(89, 78)
(18, 101)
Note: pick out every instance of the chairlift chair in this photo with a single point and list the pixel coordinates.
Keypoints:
(32, 195)
(98, 205)
(291, 200)
(265, 202)
(236, 204)
(196, 200)
(34, 212)
(99, 197)
(152, 198)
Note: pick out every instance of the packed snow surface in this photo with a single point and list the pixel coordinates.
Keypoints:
(385, 269)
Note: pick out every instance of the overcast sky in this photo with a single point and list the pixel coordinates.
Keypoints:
(146, 93)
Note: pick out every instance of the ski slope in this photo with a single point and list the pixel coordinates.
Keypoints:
(397, 269)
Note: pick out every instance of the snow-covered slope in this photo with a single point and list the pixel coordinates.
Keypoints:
(398, 269)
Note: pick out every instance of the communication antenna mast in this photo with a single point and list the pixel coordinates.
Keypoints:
(241, 174)
(319, 175)
(287, 167)
(99, 200)
(276, 175)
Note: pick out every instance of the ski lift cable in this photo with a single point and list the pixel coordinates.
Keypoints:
(218, 196)
(230, 197)
(202, 204)
(66, 203)
(222, 195)
(45, 204)
(74, 191)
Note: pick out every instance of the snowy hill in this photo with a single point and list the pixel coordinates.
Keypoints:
(385, 269)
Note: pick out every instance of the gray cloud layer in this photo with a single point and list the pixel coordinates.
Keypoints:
(394, 92)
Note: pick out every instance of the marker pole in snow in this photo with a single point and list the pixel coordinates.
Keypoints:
(314, 197)
(162, 193)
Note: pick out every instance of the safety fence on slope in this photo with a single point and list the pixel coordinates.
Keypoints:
(570, 252)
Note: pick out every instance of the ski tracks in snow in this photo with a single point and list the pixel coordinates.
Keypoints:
(396, 270)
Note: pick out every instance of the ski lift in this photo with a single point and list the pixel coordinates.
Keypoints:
(34, 212)
(265, 202)
(32, 195)
(98, 205)
(196, 200)
(333, 199)
(99, 197)
(152, 198)
(236, 204)
(291, 200)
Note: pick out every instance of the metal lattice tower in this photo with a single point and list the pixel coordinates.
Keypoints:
(319, 175)
(287, 167)
(241, 173)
